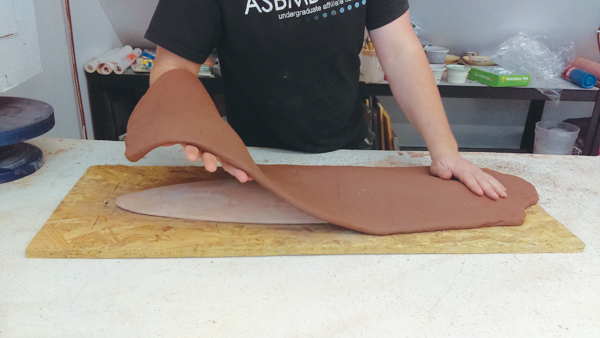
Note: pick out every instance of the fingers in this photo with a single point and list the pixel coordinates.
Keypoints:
(486, 186)
(235, 172)
(498, 187)
(191, 152)
(210, 161)
(471, 182)
(481, 183)
(478, 181)
(491, 186)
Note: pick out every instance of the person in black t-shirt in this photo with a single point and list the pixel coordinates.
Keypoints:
(291, 74)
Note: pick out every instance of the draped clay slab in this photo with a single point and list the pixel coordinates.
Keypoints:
(216, 201)
(381, 201)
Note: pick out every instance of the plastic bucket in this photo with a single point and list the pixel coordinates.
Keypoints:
(457, 74)
(435, 54)
(438, 71)
(556, 138)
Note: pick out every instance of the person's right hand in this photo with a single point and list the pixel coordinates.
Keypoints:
(192, 153)
(166, 61)
(210, 163)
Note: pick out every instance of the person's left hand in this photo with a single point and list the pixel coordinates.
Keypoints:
(479, 182)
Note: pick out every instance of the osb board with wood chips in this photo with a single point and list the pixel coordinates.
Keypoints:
(88, 224)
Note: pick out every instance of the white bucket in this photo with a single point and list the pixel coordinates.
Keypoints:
(457, 74)
(555, 138)
(438, 71)
(436, 54)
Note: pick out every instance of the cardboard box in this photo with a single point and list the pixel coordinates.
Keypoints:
(498, 77)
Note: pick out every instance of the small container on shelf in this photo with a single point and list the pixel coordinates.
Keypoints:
(436, 54)
(438, 71)
(457, 74)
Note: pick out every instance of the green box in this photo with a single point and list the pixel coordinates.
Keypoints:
(498, 77)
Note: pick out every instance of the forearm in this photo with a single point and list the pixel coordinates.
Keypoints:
(416, 92)
(413, 86)
(166, 61)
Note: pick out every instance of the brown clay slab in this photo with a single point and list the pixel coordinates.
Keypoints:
(381, 201)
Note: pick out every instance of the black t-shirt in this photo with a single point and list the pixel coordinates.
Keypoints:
(290, 67)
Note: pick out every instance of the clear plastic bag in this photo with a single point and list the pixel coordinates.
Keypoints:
(539, 57)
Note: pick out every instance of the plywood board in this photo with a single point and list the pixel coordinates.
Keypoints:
(87, 224)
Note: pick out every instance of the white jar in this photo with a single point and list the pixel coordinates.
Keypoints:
(457, 74)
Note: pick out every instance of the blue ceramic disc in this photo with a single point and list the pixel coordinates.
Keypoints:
(19, 160)
(23, 119)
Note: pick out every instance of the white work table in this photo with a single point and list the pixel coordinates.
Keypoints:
(477, 295)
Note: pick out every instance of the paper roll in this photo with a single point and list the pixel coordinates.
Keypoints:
(589, 66)
(91, 66)
(115, 56)
(128, 61)
(124, 52)
(106, 68)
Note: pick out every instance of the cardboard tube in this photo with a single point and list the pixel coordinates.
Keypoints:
(128, 61)
(589, 66)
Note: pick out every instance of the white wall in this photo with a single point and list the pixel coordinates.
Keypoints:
(19, 46)
(55, 84)
(480, 25)
(93, 35)
(469, 25)
(130, 19)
